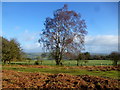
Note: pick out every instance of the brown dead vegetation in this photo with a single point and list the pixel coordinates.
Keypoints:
(14, 79)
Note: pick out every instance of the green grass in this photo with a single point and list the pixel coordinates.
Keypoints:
(58, 69)
(67, 62)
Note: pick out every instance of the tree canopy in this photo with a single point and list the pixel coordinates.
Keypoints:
(115, 56)
(11, 50)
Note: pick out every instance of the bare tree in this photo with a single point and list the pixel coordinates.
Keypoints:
(65, 32)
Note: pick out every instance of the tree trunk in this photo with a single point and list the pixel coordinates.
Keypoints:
(58, 58)
(77, 62)
(4, 61)
(57, 62)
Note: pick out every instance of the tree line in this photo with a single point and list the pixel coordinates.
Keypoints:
(85, 57)
(11, 51)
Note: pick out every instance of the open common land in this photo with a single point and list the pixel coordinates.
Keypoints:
(28, 75)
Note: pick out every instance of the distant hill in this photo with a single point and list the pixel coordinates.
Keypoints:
(33, 55)
(101, 54)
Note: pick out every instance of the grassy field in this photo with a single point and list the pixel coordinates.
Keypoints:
(67, 62)
(60, 69)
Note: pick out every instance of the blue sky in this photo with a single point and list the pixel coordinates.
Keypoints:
(25, 20)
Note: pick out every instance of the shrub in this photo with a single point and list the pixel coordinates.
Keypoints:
(36, 62)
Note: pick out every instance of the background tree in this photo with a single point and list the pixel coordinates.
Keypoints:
(39, 59)
(86, 57)
(5, 50)
(11, 50)
(44, 55)
(83, 57)
(15, 50)
(69, 56)
(80, 57)
(64, 32)
(115, 56)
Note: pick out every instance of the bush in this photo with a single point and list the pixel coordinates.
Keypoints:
(36, 63)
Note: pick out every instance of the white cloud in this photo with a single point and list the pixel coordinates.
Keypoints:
(28, 36)
(32, 47)
(102, 43)
(94, 44)
(29, 41)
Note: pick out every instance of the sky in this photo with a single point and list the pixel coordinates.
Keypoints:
(25, 20)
